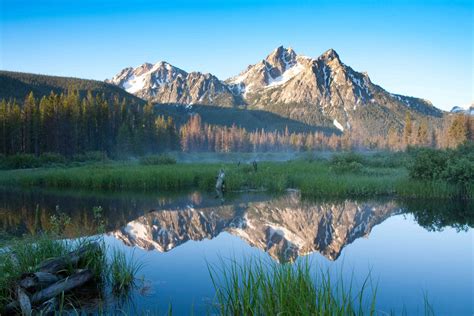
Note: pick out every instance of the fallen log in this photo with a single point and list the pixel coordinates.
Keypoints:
(37, 280)
(24, 301)
(65, 285)
(70, 260)
(48, 307)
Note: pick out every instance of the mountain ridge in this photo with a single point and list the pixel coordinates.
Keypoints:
(320, 91)
(17, 85)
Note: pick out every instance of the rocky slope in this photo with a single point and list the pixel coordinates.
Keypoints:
(319, 91)
(285, 228)
(164, 83)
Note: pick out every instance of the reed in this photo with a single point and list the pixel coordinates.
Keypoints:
(255, 287)
(313, 178)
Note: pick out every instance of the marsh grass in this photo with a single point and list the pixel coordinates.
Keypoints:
(23, 255)
(123, 272)
(372, 177)
(257, 287)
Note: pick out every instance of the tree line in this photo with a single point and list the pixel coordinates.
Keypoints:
(69, 124)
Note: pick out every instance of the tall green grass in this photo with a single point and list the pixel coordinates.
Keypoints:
(313, 178)
(255, 287)
(123, 271)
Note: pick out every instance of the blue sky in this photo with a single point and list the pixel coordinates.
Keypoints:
(417, 48)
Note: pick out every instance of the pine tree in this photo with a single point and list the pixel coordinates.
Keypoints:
(408, 130)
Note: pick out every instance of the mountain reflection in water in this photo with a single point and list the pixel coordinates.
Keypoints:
(286, 227)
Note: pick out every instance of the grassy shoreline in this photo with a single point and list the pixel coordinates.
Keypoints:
(313, 178)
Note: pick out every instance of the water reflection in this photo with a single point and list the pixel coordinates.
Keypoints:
(285, 227)
(407, 258)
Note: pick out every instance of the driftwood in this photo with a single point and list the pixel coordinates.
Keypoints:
(220, 183)
(37, 280)
(64, 285)
(44, 285)
(24, 301)
(70, 260)
(48, 307)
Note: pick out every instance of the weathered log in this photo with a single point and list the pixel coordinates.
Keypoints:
(220, 181)
(48, 307)
(24, 301)
(65, 285)
(70, 260)
(37, 280)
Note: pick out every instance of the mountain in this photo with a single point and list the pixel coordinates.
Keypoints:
(164, 83)
(461, 110)
(285, 227)
(17, 85)
(320, 91)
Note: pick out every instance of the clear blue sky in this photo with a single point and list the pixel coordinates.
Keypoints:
(417, 48)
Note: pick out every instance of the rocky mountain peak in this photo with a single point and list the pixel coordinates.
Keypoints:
(321, 91)
(330, 54)
(281, 58)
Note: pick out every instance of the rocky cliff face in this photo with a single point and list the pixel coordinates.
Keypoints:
(285, 228)
(164, 83)
(317, 91)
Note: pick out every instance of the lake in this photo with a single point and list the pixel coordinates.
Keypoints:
(412, 248)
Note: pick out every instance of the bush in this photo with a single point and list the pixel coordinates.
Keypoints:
(163, 159)
(427, 164)
(459, 170)
(387, 160)
(347, 162)
(21, 161)
(50, 158)
(455, 166)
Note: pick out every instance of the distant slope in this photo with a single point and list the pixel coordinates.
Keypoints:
(17, 85)
(248, 119)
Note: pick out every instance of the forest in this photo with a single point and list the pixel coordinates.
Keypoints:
(71, 124)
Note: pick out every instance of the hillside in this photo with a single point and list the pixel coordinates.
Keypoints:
(248, 119)
(17, 85)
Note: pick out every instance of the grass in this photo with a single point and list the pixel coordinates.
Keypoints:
(123, 270)
(23, 255)
(268, 288)
(315, 178)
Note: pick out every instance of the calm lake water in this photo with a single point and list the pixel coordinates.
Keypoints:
(411, 248)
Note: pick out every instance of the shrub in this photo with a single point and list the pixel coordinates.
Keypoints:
(427, 164)
(387, 160)
(50, 158)
(163, 159)
(21, 161)
(459, 170)
(347, 162)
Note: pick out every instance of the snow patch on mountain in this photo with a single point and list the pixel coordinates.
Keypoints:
(338, 125)
(287, 75)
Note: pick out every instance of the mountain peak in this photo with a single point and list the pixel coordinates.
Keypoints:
(330, 54)
(281, 58)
